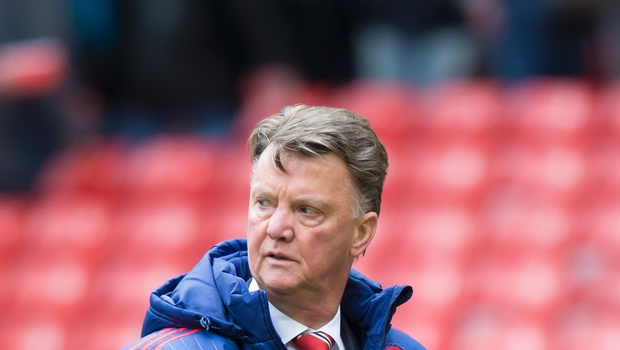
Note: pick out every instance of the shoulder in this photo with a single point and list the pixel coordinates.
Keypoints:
(182, 339)
(397, 340)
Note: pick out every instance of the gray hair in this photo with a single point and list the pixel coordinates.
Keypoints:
(318, 130)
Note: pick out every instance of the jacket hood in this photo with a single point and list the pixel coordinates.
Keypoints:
(214, 295)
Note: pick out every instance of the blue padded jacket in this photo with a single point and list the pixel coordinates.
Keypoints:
(211, 308)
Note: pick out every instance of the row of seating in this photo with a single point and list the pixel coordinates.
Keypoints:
(501, 209)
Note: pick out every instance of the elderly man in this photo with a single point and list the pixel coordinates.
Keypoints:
(315, 199)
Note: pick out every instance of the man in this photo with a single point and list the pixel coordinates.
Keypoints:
(315, 199)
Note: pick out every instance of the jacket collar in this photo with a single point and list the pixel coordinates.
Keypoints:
(215, 296)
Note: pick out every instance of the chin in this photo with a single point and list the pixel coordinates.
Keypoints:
(280, 284)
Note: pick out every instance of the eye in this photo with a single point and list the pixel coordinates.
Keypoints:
(262, 207)
(308, 211)
(310, 216)
(261, 202)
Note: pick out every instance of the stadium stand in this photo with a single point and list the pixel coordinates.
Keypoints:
(501, 209)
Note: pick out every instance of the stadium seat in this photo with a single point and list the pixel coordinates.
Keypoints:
(461, 110)
(103, 334)
(232, 177)
(602, 171)
(484, 325)
(69, 225)
(157, 229)
(47, 292)
(607, 121)
(543, 111)
(391, 108)
(271, 98)
(527, 281)
(603, 223)
(178, 165)
(448, 173)
(12, 212)
(586, 325)
(517, 218)
(590, 267)
(34, 334)
(89, 168)
(552, 172)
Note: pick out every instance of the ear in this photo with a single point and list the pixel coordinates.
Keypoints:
(366, 228)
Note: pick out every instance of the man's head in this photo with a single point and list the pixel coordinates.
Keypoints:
(319, 130)
(314, 201)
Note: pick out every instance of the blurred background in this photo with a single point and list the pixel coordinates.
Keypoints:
(122, 156)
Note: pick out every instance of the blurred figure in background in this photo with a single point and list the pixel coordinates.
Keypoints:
(526, 39)
(608, 39)
(425, 41)
(33, 67)
(173, 66)
(415, 41)
(185, 66)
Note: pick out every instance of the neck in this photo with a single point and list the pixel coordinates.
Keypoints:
(313, 311)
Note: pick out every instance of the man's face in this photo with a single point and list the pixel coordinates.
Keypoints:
(302, 236)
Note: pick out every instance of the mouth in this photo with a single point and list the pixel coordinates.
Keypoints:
(278, 257)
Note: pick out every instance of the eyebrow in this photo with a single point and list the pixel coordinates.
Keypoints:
(258, 186)
(312, 199)
(308, 198)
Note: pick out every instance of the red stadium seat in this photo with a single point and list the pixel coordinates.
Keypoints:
(167, 165)
(12, 212)
(48, 291)
(104, 334)
(121, 290)
(271, 97)
(554, 173)
(94, 167)
(445, 174)
(514, 219)
(531, 283)
(607, 126)
(69, 225)
(603, 223)
(544, 111)
(391, 108)
(586, 325)
(462, 110)
(232, 178)
(34, 333)
(495, 326)
(158, 229)
(590, 267)
(602, 171)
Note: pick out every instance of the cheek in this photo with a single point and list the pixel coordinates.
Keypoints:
(338, 243)
(253, 233)
(256, 233)
(254, 242)
(326, 245)
(254, 222)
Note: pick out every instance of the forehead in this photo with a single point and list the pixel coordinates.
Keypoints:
(327, 170)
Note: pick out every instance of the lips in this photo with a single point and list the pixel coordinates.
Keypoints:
(278, 256)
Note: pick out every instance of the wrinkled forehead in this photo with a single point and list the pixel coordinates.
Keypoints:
(338, 173)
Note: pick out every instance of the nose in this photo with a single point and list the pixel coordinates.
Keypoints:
(280, 226)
